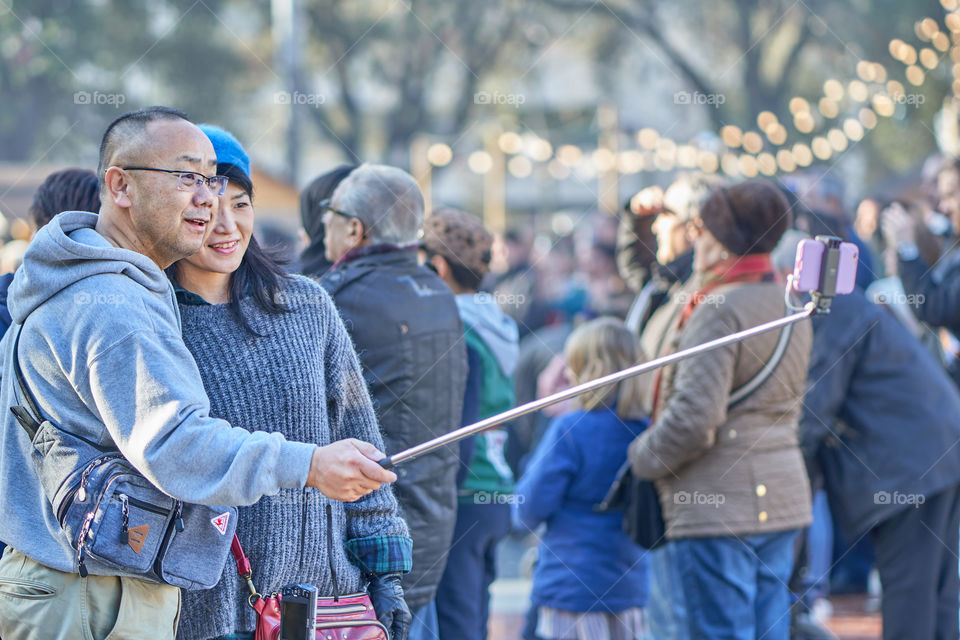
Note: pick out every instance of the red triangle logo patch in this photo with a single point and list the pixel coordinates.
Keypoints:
(220, 522)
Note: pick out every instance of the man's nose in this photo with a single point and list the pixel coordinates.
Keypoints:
(204, 196)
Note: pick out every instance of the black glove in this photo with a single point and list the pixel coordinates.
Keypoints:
(392, 611)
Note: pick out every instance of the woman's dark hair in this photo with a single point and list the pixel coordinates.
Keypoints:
(313, 259)
(67, 190)
(260, 275)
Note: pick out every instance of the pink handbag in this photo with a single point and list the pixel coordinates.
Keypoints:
(349, 617)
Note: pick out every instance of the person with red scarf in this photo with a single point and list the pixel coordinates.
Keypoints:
(731, 478)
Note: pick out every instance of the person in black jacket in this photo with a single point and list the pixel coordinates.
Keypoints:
(881, 427)
(407, 330)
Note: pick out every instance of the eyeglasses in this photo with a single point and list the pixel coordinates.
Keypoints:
(325, 206)
(190, 180)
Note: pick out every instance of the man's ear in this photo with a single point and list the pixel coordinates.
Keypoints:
(357, 231)
(440, 264)
(118, 187)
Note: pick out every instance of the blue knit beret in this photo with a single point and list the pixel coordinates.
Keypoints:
(228, 148)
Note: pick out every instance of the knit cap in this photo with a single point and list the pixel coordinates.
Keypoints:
(227, 147)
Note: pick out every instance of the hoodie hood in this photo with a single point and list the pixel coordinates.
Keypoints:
(68, 250)
(480, 312)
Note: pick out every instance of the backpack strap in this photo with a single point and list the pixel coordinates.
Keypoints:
(741, 393)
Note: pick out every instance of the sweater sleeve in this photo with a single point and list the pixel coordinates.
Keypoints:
(377, 537)
(686, 427)
(548, 476)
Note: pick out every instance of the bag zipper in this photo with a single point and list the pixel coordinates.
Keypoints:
(79, 491)
(126, 500)
(353, 623)
(341, 610)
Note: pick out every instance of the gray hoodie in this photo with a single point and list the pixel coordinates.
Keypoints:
(102, 352)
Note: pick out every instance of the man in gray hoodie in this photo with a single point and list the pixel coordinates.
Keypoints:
(101, 350)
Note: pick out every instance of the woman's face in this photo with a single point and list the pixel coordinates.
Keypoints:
(707, 251)
(228, 236)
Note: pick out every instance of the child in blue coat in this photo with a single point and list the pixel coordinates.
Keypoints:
(591, 581)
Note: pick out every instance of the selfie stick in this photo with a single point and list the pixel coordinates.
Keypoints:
(818, 305)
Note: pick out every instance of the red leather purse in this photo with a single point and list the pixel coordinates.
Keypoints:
(349, 617)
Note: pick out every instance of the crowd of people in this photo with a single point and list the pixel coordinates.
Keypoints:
(152, 320)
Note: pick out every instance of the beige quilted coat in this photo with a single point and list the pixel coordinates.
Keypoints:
(721, 472)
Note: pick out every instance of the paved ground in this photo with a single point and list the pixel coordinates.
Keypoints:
(854, 617)
(851, 619)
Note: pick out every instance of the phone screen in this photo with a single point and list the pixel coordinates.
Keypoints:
(293, 620)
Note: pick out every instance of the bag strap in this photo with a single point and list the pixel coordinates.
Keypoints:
(741, 393)
(245, 571)
(29, 417)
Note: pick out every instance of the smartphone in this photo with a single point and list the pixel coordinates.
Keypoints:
(837, 276)
(298, 612)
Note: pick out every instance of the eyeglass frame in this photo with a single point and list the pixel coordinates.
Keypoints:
(204, 179)
(325, 206)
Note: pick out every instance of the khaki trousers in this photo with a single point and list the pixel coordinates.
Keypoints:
(39, 603)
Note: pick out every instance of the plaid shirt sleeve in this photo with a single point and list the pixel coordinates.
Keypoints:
(381, 554)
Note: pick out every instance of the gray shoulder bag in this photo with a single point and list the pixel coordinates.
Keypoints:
(115, 519)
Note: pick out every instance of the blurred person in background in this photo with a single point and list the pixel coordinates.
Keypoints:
(654, 245)
(406, 326)
(934, 287)
(518, 282)
(591, 581)
(879, 431)
(458, 247)
(730, 474)
(286, 339)
(67, 190)
(313, 260)
(607, 295)
(866, 224)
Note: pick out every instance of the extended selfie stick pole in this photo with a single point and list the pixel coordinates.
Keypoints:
(408, 454)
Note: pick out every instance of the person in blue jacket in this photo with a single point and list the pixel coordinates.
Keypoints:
(591, 581)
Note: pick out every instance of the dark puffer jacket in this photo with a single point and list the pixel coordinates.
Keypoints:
(407, 331)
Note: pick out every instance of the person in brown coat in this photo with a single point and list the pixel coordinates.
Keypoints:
(729, 471)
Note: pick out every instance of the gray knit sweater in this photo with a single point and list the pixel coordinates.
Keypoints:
(302, 379)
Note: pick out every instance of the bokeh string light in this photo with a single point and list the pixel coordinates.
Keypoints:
(817, 130)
